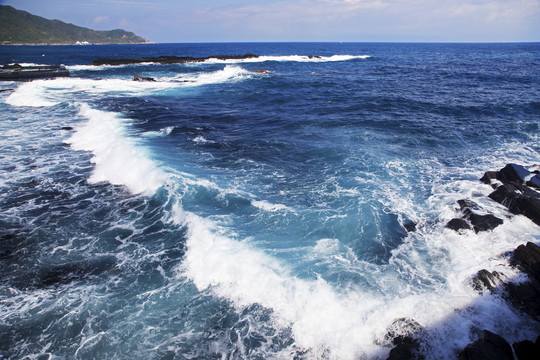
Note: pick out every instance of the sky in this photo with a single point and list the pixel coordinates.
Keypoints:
(169, 21)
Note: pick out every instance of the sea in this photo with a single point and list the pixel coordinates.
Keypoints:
(223, 213)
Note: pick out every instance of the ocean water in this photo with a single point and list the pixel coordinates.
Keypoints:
(219, 213)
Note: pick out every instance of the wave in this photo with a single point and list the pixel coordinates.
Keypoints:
(324, 319)
(40, 93)
(117, 158)
(291, 58)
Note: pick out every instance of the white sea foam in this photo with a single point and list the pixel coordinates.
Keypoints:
(40, 93)
(117, 157)
(344, 325)
(31, 94)
(292, 58)
(160, 133)
(229, 73)
(267, 206)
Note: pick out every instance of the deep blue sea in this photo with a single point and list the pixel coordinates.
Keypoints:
(219, 213)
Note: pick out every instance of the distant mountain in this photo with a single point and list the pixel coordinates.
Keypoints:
(21, 27)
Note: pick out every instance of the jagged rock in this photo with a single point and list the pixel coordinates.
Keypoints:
(143, 78)
(473, 220)
(410, 226)
(491, 347)
(486, 280)
(519, 199)
(467, 204)
(457, 224)
(527, 350)
(401, 334)
(513, 173)
(527, 258)
(489, 177)
(482, 222)
(534, 182)
(169, 59)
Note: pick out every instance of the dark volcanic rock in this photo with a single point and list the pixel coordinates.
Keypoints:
(143, 78)
(527, 350)
(468, 204)
(488, 177)
(482, 222)
(458, 224)
(526, 296)
(491, 347)
(169, 59)
(527, 258)
(401, 333)
(534, 182)
(471, 219)
(513, 173)
(486, 280)
(519, 199)
(410, 226)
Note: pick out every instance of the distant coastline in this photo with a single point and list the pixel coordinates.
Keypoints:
(22, 28)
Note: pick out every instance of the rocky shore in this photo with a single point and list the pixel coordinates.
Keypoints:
(516, 188)
(170, 59)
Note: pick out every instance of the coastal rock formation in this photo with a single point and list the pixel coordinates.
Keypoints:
(472, 219)
(527, 350)
(485, 280)
(517, 190)
(170, 59)
(402, 334)
(490, 347)
(143, 78)
(20, 72)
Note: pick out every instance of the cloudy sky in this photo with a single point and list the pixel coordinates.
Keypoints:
(301, 20)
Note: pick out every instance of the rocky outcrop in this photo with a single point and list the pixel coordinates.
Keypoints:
(20, 72)
(490, 347)
(170, 59)
(515, 188)
(403, 334)
(472, 219)
(143, 78)
(527, 350)
(486, 281)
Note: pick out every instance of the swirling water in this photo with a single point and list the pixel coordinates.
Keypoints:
(219, 213)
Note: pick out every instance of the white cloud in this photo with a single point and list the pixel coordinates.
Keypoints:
(101, 19)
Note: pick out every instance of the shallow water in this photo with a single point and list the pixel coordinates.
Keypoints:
(221, 213)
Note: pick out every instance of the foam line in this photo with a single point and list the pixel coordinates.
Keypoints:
(118, 158)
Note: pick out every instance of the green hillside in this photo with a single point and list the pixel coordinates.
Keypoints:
(21, 27)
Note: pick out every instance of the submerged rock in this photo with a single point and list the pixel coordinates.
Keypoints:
(410, 226)
(490, 347)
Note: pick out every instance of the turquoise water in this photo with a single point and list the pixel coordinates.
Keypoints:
(221, 213)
